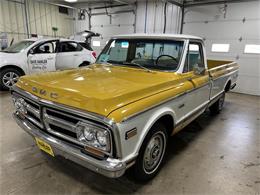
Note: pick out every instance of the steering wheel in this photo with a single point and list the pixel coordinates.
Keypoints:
(156, 62)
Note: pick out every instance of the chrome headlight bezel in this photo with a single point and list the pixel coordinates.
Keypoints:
(87, 134)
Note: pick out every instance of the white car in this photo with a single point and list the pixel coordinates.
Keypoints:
(38, 55)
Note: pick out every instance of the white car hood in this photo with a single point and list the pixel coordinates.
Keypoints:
(9, 58)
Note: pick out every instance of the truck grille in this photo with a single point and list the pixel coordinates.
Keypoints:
(60, 123)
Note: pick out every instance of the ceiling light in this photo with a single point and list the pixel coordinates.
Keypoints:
(71, 1)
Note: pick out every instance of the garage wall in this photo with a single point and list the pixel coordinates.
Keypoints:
(42, 17)
(239, 26)
(147, 15)
(150, 17)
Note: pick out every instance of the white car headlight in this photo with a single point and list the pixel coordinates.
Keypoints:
(93, 136)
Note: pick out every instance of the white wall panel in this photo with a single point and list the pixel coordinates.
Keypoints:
(242, 21)
(41, 18)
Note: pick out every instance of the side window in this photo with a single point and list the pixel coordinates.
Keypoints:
(194, 57)
(69, 47)
(48, 47)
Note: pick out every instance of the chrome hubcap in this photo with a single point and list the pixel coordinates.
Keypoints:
(10, 78)
(154, 152)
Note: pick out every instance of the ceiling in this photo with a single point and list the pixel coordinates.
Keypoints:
(187, 3)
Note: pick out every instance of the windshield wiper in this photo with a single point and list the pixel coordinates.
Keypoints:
(135, 64)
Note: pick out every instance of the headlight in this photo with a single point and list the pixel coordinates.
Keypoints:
(20, 105)
(93, 136)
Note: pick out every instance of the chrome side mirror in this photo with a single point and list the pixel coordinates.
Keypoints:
(199, 70)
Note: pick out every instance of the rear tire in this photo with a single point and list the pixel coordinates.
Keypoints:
(8, 78)
(151, 154)
(218, 105)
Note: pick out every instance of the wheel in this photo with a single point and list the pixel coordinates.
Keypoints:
(218, 105)
(8, 77)
(84, 64)
(151, 155)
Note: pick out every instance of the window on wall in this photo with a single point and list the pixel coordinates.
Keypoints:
(252, 49)
(220, 47)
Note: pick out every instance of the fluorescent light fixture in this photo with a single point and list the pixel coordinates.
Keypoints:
(220, 47)
(96, 43)
(71, 1)
(253, 49)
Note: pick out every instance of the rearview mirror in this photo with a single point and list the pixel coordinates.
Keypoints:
(199, 70)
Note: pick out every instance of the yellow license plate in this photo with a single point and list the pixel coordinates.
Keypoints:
(44, 146)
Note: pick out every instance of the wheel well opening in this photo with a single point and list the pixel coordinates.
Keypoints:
(85, 63)
(167, 120)
(14, 67)
(228, 86)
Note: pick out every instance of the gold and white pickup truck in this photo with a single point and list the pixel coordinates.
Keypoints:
(119, 112)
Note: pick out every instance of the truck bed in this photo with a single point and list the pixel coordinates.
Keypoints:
(218, 68)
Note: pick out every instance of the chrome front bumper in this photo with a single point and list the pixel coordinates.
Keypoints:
(109, 167)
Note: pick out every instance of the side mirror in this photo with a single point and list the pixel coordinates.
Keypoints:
(199, 70)
(31, 52)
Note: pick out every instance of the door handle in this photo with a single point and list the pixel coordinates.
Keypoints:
(76, 55)
(49, 58)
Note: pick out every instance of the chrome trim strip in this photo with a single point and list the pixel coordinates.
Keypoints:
(225, 75)
(163, 102)
(59, 122)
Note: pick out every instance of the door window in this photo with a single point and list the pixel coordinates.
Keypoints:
(69, 47)
(194, 57)
(45, 48)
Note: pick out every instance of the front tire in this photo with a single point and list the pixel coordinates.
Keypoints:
(152, 152)
(218, 105)
(8, 78)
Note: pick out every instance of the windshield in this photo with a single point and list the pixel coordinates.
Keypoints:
(146, 53)
(18, 47)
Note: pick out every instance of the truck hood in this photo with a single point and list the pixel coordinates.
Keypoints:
(98, 88)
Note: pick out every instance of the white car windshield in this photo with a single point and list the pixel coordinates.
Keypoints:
(148, 54)
(18, 47)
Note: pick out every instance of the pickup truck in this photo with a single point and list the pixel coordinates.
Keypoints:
(40, 55)
(119, 112)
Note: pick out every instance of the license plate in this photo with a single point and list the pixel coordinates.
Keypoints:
(44, 146)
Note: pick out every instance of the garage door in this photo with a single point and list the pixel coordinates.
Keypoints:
(109, 26)
(233, 35)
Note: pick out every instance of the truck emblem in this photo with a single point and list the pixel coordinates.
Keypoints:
(43, 92)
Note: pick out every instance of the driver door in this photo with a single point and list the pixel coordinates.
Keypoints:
(42, 58)
(195, 72)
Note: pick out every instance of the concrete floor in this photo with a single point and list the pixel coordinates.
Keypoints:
(213, 155)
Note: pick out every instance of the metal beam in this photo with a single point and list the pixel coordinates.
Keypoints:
(208, 2)
(111, 13)
(110, 6)
(175, 3)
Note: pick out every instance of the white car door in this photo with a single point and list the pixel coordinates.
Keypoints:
(69, 55)
(42, 58)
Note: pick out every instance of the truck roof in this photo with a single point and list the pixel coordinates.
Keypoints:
(157, 36)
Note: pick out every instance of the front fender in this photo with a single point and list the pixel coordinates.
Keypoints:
(143, 123)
